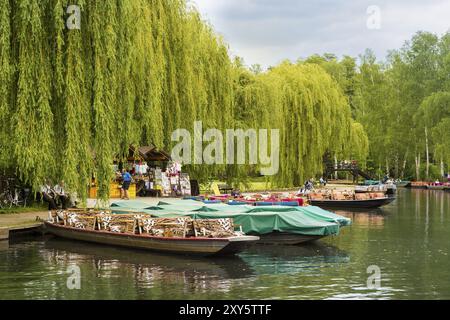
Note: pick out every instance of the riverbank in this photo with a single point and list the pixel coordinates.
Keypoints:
(20, 222)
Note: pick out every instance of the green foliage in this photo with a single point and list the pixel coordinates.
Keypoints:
(73, 100)
(398, 102)
(5, 81)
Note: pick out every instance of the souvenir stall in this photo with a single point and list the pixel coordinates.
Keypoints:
(154, 175)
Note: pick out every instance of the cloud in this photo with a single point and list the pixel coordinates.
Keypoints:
(269, 31)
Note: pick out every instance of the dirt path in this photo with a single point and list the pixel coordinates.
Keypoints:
(12, 221)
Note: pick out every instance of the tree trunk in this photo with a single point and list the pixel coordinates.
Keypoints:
(336, 176)
(428, 153)
(418, 167)
(387, 168)
(397, 166)
(404, 166)
(442, 169)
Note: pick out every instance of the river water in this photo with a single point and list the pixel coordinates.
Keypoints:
(408, 242)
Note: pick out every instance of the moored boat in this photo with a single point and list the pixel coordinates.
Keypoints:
(102, 229)
(389, 188)
(419, 185)
(272, 224)
(353, 204)
(436, 187)
(403, 184)
(350, 200)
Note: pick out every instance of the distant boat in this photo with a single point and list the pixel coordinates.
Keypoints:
(389, 188)
(403, 184)
(353, 204)
(436, 187)
(419, 185)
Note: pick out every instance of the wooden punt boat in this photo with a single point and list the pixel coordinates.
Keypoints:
(419, 185)
(436, 187)
(188, 246)
(353, 204)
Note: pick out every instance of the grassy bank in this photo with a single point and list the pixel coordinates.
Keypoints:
(17, 210)
(254, 185)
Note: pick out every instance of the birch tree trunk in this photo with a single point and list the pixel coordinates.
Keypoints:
(418, 167)
(336, 176)
(428, 154)
(404, 166)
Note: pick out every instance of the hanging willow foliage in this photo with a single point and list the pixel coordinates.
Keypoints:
(311, 111)
(32, 118)
(71, 101)
(5, 81)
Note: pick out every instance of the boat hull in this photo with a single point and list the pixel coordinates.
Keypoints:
(404, 185)
(439, 188)
(419, 185)
(279, 238)
(187, 246)
(350, 204)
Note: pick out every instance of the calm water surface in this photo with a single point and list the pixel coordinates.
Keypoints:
(408, 240)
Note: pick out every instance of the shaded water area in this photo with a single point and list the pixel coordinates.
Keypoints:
(408, 240)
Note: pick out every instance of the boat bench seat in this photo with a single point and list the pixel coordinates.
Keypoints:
(119, 223)
(362, 196)
(316, 196)
(166, 227)
(217, 228)
(377, 195)
(80, 220)
(145, 224)
(340, 196)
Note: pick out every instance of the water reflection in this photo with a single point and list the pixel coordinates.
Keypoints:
(4, 245)
(149, 265)
(408, 240)
(373, 218)
(275, 260)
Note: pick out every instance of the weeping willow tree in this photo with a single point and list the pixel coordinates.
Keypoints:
(32, 117)
(358, 146)
(5, 81)
(311, 111)
(72, 101)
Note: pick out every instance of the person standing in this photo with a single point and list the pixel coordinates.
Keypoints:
(126, 183)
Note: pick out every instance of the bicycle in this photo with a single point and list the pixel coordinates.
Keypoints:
(13, 197)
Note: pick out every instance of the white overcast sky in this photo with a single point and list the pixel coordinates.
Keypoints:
(269, 31)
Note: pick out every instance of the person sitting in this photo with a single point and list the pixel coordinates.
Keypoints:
(48, 195)
(61, 195)
(323, 182)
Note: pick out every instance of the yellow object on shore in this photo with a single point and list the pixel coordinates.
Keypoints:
(216, 190)
(114, 191)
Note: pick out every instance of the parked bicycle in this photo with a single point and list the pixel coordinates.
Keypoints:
(13, 195)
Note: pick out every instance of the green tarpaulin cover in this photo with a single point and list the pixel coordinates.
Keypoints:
(310, 220)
